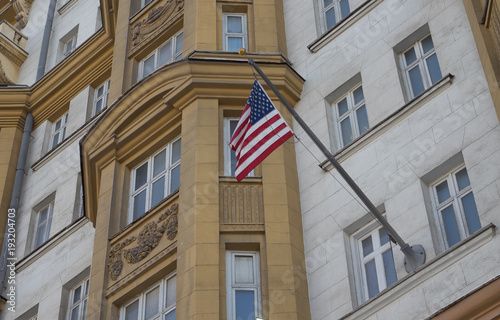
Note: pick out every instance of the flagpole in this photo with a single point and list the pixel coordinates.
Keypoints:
(414, 255)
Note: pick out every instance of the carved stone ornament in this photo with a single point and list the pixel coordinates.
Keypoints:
(156, 18)
(148, 239)
(22, 9)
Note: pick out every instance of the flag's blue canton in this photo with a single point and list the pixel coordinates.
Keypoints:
(260, 105)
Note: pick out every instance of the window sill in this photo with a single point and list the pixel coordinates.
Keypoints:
(65, 7)
(388, 122)
(424, 273)
(343, 25)
(52, 242)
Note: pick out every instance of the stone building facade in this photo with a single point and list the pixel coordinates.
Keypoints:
(400, 94)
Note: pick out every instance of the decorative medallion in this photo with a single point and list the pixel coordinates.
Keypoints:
(148, 239)
(158, 20)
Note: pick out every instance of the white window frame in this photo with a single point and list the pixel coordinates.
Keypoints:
(359, 261)
(454, 200)
(148, 186)
(351, 114)
(59, 132)
(226, 35)
(176, 54)
(81, 304)
(227, 149)
(47, 222)
(103, 97)
(335, 5)
(421, 63)
(163, 289)
(232, 287)
(71, 41)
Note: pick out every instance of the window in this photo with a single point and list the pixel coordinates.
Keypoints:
(374, 262)
(421, 66)
(69, 45)
(234, 27)
(351, 116)
(58, 131)
(158, 302)
(332, 11)
(168, 52)
(455, 207)
(243, 285)
(78, 301)
(44, 221)
(101, 95)
(155, 179)
(230, 160)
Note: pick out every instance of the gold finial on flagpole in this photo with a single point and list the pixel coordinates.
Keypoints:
(242, 52)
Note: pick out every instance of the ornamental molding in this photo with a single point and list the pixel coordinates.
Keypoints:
(148, 239)
(158, 20)
(22, 9)
(12, 51)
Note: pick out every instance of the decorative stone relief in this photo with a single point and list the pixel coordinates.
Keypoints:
(156, 21)
(148, 239)
(22, 9)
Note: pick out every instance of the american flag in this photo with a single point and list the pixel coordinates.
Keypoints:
(259, 132)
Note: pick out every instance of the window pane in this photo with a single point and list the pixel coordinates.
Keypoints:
(149, 65)
(84, 309)
(371, 278)
(98, 106)
(330, 17)
(243, 270)
(234, 161)
(344, 8)
(327, 3)
(434, 70)
(384, 236)
(77, 294)
(178, 43)
(176, 151)
(462, 179)
(362, 119)
(245, 309)
(450, 226)
(152, 303)
(158, 191)
(427, 44)
(171, 285)
(175, 178)
(234, 24)
(342, 107)
(442, 191)
(389, 268)
(367, 245)
(139, 204)
(74, 313)
(100, 91)
(358, 95)
(40, 237)
(170, 315)
(159, 163)
(345, 127)
(43, 215)
(63, 133)
(410, 56)
(471, 215)
(141, 176)
(132, 311)
(234, 43)
(165, 53)
(86, 288)
(55, 140)
(416, 81)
